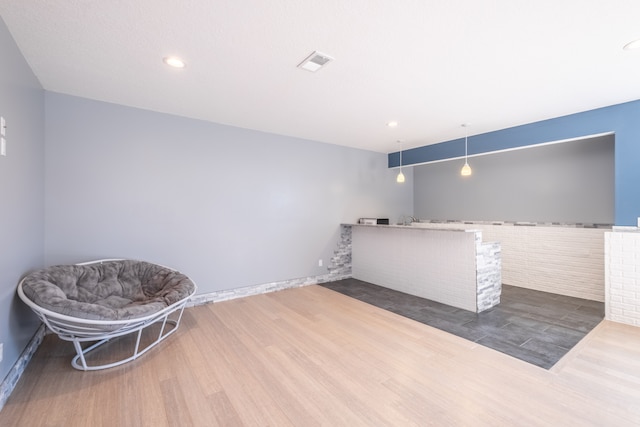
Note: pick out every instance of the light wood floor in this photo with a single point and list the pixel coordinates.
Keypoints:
(310, 356)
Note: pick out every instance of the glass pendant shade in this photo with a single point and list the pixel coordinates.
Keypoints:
(466, 169)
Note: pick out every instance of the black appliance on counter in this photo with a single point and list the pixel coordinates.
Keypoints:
(374, 221)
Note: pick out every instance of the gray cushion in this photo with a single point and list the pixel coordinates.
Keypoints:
(112, 290)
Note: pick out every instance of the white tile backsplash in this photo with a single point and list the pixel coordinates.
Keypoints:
(622, 277)
(561, 260)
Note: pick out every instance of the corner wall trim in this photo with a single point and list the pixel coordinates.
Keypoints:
(10, 381)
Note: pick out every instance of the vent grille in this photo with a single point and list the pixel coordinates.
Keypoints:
(315, 61)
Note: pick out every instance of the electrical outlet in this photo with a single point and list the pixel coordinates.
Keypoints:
(319, 263)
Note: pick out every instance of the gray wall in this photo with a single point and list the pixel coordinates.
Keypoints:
(567, 182)
(230, 207)
(21, 194)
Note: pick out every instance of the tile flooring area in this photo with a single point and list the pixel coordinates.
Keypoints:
(537, 327)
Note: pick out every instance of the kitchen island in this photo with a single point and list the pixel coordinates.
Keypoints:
(450, 266)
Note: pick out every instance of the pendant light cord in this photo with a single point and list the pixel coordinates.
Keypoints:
(400, 177)
(466, 135)
(466, 169)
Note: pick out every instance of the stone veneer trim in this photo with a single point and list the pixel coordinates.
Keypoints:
(488, 274)
(10, 381)
(246, 291)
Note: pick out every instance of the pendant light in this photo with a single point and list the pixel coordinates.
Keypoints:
(466, 169)
(400, 177)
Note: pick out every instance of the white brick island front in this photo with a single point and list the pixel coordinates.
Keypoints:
(622, 275)
(450, 266)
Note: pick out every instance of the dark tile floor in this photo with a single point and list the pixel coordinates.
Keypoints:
(537, 327)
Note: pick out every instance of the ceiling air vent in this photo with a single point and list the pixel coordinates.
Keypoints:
(315, 61)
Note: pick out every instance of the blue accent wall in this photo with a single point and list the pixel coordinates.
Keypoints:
(622, 119)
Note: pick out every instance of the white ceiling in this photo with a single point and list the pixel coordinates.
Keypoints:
(429, 64)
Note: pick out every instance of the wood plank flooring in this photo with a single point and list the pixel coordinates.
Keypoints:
(311, 356)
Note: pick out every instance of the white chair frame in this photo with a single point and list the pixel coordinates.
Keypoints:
(78, 330)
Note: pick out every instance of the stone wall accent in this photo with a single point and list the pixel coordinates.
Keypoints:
(340, 266)
(489, 274)
(622, 276)
(246, 291)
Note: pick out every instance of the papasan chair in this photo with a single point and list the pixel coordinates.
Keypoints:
(97, 301)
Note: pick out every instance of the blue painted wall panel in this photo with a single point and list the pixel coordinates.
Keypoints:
(622, 119)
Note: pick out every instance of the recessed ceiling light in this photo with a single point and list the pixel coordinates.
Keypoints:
(315, 61)
(632, 45)
(174, 61)
(392, 124)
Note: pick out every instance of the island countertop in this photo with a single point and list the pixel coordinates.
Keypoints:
(448, 265)
(416, 226)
